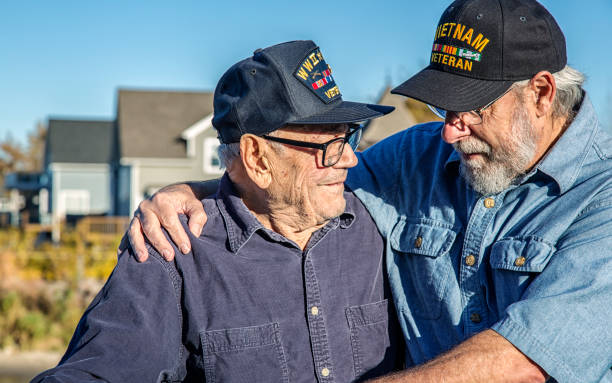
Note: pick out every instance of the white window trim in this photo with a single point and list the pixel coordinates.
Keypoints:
(209, 152)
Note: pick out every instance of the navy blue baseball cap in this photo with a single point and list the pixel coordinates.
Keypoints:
(288, 83)
(481, 47)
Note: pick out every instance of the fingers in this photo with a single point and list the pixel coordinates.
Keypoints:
(137, 240)
(166, 208)
(197, 217)
(151, 228)
(162, 210)
(170, 221)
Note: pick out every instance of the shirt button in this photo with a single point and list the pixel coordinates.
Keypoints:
(325, 372)
(520, 261)
(489, 203)
(418, 242)
(470, 260)
(475, 317)
(314, 310)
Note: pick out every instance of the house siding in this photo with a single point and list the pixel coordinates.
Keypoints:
(141, 177)
(91, 183)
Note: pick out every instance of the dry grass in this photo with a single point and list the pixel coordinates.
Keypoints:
(45, 289)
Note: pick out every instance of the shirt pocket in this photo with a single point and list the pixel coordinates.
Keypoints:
(245, 354)
(421, 253)
(369, 329)
(515, 262)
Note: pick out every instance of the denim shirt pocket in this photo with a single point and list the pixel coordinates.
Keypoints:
(369, 329)
(515, 262)
(245, 354)
(421, 252)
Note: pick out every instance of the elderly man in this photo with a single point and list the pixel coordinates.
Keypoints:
(498, 221)
(287, 284)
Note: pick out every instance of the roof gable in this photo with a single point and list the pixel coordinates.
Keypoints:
(190, 134)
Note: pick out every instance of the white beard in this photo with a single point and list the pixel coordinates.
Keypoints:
(498, 168)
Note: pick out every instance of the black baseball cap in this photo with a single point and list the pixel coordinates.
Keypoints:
(481, 47)
(288, 83)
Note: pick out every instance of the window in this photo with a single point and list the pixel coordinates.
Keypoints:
(210, 157)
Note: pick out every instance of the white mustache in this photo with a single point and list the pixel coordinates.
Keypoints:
(472, 145)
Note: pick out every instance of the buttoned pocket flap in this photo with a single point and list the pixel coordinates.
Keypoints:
(367, 314)
(245, 354)
(422, 238)
(234, 339)
(521, 254)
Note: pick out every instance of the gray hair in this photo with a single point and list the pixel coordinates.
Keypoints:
(569, 90)
(229, 152)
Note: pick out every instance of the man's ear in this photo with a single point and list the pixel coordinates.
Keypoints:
(253, 153)
(544, 90)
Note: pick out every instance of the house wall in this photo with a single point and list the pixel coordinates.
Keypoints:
(80, 189)
(206, 144)
(144, 176)
(123, 190)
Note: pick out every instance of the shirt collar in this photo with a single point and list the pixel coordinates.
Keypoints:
(452, 162)
(241, 224)
(564, 160)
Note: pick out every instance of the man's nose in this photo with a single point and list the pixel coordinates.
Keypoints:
(454, 129)
(348, 158)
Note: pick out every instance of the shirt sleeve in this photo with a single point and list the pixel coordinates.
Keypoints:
(131, 332)
(375, 179)
(563, 321)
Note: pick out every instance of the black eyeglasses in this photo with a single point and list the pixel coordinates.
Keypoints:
(332, 149)
(471, 117)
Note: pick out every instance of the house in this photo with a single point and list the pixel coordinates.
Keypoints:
(76, 178)
(163, 137)
(408, 112)
(78, 164)
(99, 167)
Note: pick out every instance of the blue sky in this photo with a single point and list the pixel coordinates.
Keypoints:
(68, 58)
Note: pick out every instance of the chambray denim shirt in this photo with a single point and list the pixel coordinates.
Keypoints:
(247, 305)
(533, 263)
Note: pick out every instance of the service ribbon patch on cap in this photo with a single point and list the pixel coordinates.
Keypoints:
(316, 75)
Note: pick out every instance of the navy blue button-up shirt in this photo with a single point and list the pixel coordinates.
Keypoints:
(247, 305)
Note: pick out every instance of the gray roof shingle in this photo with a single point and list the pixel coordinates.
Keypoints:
(151, 122)
(79, 141)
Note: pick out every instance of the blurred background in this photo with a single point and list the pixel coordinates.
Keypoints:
(104, 102)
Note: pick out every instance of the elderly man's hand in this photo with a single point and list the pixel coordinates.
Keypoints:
(162, 209)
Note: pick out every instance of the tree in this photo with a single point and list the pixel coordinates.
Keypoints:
(15, 157)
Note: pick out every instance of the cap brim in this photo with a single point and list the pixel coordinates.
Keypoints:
(346, 112)
(450, 91)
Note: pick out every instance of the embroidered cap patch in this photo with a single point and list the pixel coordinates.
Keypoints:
(455, 56)
(316, 75)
